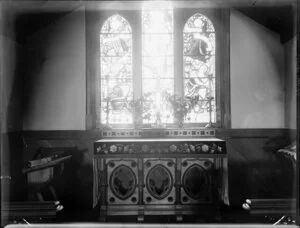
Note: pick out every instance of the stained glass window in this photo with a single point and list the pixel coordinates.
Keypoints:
(157, 79)
(157, 65)
(116, 71)
(199, 68)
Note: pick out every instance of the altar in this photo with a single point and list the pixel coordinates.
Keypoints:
(176, 175)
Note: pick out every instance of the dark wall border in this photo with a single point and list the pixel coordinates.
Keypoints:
(250, 152)
(220, 133)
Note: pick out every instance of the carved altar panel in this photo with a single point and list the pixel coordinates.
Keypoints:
(159, 176)
(152, 176)
(196, 180)
(122, 179)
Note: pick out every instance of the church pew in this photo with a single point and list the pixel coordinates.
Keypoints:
(30, 211)
(278, 211)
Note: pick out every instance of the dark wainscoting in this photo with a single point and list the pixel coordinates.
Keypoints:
(255, 171)
(13, 186)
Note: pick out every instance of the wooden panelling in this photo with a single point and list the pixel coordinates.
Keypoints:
(253, 133)
(254, 170)
(11, 165)
(78, 177)
(34, 212)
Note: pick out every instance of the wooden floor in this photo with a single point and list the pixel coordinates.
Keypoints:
(227, 215)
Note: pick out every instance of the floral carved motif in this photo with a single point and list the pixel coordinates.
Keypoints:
(128, 148)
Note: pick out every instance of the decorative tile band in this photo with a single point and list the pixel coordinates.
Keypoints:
(212, 147)
(127, 133)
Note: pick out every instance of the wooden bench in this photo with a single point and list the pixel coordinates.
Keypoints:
(277, 210)
(30, 211)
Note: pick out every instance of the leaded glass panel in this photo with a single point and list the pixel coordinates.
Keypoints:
(116, 24)
(116, 95)
(199, 68)
(157, 65)
(116, 83)
(116, 67)
(115, 116)
(115, 44)
(199, 87)
(156, 103)
(157, 21)
(198, 23)
(157, 45)
(116, 71)
(116, 89)
(198, 44)
(201, 113)
(194, 68)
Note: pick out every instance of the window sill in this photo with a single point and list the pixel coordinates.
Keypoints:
(158, 132)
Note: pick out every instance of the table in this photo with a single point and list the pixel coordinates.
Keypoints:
(160, 176)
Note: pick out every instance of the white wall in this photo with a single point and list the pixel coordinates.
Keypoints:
(257, 84)
(57, 97)
(8, 68)
(10, 97)
(57, 94)
(291, 84)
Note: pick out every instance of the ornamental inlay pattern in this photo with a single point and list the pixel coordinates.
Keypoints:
(123, 182)
(125, 133)
(160, 148)
(159, 182)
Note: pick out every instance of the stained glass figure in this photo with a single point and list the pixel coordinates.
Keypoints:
(116, 71)
(199, 68)
(157, 65)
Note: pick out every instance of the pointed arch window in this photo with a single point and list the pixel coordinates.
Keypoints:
(158, 67)
(116, 83)
(199, 73)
